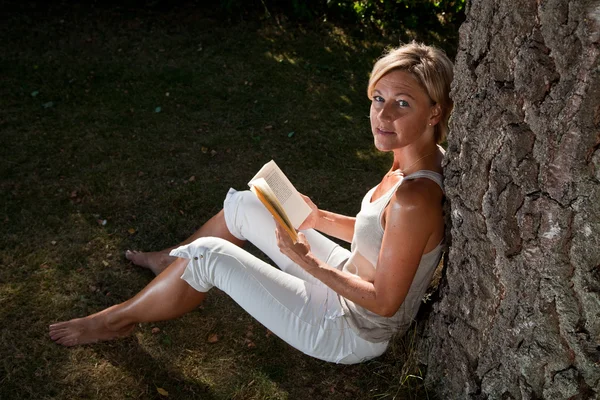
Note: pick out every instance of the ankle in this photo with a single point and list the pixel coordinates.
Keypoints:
(165, 260)
(113, 320)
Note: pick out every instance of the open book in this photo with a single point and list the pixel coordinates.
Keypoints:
(280, 197)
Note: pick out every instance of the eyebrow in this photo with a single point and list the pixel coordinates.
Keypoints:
(397, 94)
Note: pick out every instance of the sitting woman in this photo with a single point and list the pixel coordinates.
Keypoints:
(330, 303)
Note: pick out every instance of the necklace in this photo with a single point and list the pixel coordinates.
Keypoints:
(401, 171)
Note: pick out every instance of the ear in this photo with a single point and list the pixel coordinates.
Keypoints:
(435, 114)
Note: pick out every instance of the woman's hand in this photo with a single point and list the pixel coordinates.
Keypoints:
(297, 252)
(311, 221)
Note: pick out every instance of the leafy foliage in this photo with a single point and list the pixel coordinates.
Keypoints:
(433, 21)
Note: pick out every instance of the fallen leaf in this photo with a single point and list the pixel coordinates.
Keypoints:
(268, 127)
(74, 194)
(48, 104)
(157, 109)
(181, 212)
(53, 242)
(250, 344)
(44, 266)
(155, 330)
(269, 333)
(192, 178)
(105, 263)
(162, 392)
(34, 93)
(213, 338)
(291, 134)
(204, 149)
(131, 231)
(213, 152)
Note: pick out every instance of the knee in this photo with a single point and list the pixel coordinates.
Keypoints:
(204, 245)
(240, 202)
(238, 208)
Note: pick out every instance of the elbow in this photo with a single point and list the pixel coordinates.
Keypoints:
(387, 311)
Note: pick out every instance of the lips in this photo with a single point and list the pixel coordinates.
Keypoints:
(384, 132)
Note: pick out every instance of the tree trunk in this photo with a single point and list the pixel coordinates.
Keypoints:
(519, 315)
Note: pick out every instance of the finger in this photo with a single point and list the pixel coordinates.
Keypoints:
(279, 229)
(280, 238)
(277, 236)
(278, 233)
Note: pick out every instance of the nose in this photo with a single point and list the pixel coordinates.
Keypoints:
(386, 113)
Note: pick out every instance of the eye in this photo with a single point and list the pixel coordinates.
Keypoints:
(403, 103)
(378, 99)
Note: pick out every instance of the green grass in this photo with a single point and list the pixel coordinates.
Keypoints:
(82, 143)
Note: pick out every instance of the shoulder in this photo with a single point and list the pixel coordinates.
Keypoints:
(417, 195)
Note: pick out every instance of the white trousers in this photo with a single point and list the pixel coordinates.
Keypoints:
(288, 301)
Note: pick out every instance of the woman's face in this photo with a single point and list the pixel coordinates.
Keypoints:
(401, 112)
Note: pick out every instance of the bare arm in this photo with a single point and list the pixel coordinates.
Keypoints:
(412, 216)
(336, 225)
(332, 224)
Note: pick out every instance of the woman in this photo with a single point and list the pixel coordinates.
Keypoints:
(333, 304)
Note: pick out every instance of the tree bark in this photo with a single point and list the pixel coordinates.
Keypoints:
(519, 309)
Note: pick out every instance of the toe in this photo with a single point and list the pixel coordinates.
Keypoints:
(65, 341)
(56, 335)
(57, 326)
(131, 254)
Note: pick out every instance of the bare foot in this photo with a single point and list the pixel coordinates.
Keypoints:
(90, 329)
(155, 261)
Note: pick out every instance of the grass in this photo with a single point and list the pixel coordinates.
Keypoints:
(124, 129)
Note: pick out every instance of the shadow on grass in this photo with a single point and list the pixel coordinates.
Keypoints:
(151, 373)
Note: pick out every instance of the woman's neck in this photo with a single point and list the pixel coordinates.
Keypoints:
(410, 159)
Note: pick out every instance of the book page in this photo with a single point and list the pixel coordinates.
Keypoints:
(291, 201)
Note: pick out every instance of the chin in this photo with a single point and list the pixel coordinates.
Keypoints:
(383, 146)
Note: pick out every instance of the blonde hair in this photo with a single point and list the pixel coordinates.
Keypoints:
(430, 67)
